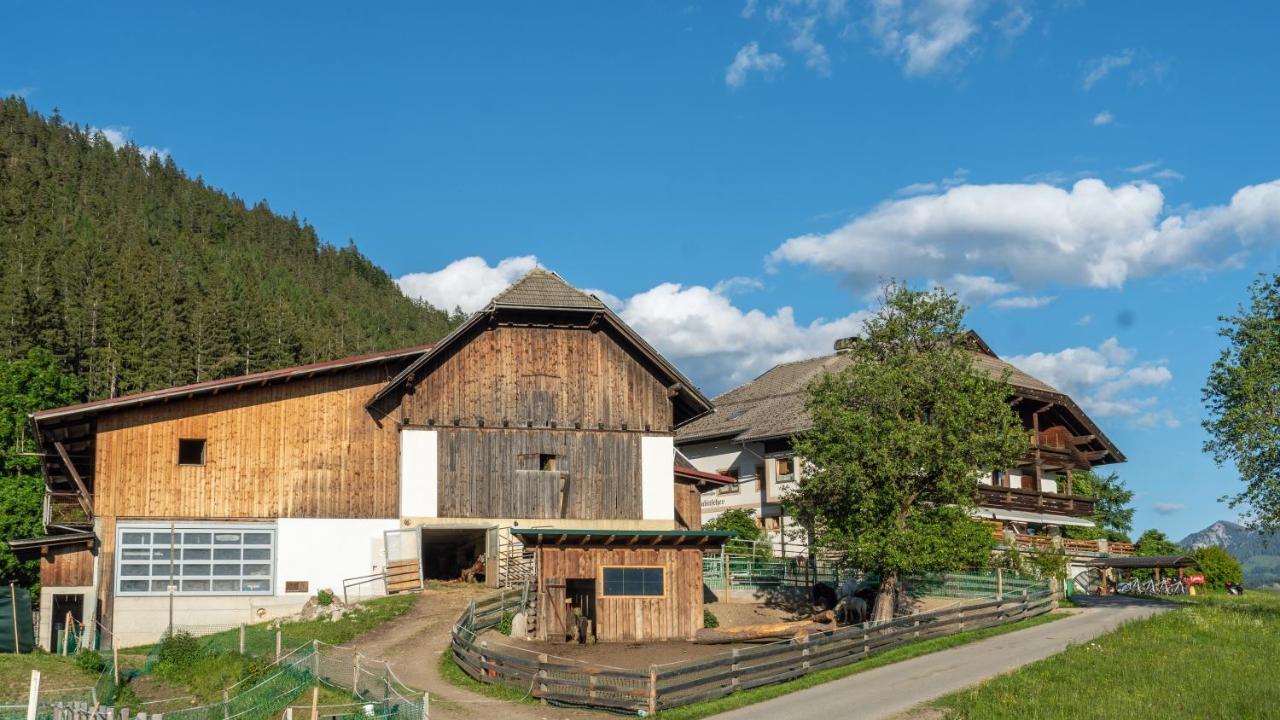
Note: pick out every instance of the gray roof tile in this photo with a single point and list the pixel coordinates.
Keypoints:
(545, 289)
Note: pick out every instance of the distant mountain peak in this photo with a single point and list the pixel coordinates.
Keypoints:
(1258, 553)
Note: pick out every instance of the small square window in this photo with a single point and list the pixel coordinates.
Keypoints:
(547, 462)
(191, 451)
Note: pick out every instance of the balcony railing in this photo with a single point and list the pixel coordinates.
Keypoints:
(64, 509)
(1034, 501)
(1071, 547)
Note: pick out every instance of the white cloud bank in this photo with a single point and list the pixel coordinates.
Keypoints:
(119, 137)
(1105, 380)
(699, 328)
(1033, 233)
(748, 60)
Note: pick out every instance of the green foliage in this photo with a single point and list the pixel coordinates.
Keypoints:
(1153, 543)
(1040, 562)
(135, 276)
(749, 537)
(709, 619)
(28, 383)
(178, 651)
(898, 439)
(1242, 398)
(90, 661)
(324, 598)
(1218, 566)
(504, 623)
(187, 661)
(1112, 514)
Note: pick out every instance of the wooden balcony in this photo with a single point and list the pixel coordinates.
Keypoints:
(1071, 547)
(1008, 498)
(64, 509)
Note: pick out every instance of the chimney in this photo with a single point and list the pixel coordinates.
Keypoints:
(845, 344)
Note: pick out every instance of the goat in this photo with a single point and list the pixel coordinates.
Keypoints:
(850, 608)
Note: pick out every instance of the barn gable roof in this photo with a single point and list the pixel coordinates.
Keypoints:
(542, 291)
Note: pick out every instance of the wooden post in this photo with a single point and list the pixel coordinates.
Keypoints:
(315, 659)
(226, 706)
(241, 638)
(426, 705)
(66, 633)
(1000, 583)
(542, 675)
(124, 713)
(115, 663)
(13, 607)
(315, 702)
(653, 690)
(33, 694)
(288, 713)
(277, 644)
(355, 677)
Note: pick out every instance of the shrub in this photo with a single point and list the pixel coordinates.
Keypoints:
(324, 598)
(177, 651)
(709, 619)
(90, 661)
(1218, 566)
(504, 625)
(749, 536)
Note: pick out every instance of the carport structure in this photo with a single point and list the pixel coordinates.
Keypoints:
(1105, 566)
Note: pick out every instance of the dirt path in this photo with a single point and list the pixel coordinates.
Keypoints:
(413, 643)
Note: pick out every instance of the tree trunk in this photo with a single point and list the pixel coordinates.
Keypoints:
(886, 597)
(742, 633)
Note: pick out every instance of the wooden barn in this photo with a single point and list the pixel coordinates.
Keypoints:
(235, 500)
(617, 585)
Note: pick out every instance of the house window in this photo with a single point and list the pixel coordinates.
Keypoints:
(547, 463)
(191, 451)
(786, 470)
(196, 560)
(732, 487)
(634, 581)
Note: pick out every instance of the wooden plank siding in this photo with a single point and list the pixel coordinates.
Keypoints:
(66, 566)
(688, 506)
(306, 448)
(677, 615)
(492, 473)
(567, 377)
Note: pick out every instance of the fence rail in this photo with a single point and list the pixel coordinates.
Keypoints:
(666, 686)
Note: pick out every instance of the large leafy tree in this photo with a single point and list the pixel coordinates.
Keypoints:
(898, 441)
(26, 385)
(1242, 395)
(1218, 566)
(1112, 514)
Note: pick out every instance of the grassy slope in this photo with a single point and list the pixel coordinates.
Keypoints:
(455, 675)
(1214, 658)
(56, 674)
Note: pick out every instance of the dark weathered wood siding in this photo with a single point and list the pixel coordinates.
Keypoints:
(688, 506)
(306, 448)
(677, 615)
(572, 377)
(66, 566)
(490, 473)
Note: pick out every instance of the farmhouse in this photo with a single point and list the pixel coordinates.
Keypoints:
(235, 500)
(748, 437)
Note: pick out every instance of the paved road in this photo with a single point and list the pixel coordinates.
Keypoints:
(892, 689)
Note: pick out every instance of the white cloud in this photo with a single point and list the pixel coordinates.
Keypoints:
(1168, 174)
(959, 177)
(749, 9)
(119, 137)
(977, 289)
(1022, 302)
(805, 43)
(468, 283)
(1105, 381)
(924, 35)
(1014, 23)
(750, 59)
(1034, 233)
(1103, 118)
(1084, 320)
(1168, 508)
(1099, 68)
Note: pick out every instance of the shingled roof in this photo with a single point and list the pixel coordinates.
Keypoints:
(544, 289)
(772, 405)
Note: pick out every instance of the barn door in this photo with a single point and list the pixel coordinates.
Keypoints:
(404, 560)
(555, 610)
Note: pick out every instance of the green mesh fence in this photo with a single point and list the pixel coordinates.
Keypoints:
(748, 573)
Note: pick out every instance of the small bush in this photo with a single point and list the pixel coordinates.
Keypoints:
(324, 598)
(709, 619)
(504, 625)
(177, 651)
(90, 661)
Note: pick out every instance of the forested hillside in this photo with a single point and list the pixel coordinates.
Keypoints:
(118, 274)
(136, 276)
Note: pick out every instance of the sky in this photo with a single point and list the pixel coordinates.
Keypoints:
(1098, 181)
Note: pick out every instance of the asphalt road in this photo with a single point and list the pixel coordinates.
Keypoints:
(892, 689)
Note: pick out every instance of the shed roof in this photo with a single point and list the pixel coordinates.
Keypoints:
(1138, 562)
(637, 538)
(51, 541)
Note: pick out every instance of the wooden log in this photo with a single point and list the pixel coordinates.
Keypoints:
(821, 622)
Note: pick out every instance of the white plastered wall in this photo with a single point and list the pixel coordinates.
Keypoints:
(324, 552)
(418, 484)
(657, 460)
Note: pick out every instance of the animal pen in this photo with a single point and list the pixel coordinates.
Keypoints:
(663, 686)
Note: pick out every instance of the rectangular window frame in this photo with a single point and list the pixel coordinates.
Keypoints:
(732, 488)
(784, 478)
(211, 550)
(666, 588)
(204, 452)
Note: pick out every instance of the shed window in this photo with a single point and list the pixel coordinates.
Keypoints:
(191, 451)
(208, 560)
(634, 581)
(786, 470)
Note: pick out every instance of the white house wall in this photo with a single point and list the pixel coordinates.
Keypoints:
(419, 450)
(324, 552)
(657, 501)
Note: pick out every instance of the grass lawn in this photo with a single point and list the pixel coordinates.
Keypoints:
(1216, 657)
(450, 671)
(56, 674)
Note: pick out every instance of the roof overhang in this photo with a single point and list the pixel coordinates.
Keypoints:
(559, 537)
(45, 541)
(990, 513)
(1139, 562)
(700, 477)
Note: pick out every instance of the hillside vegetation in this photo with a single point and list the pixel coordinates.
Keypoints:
(136, 276)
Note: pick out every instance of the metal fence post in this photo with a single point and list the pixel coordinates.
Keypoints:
(33, 696)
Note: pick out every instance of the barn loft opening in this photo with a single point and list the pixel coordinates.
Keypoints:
(454, 553)
(191, 451)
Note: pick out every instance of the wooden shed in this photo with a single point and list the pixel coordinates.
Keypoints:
(619, 585)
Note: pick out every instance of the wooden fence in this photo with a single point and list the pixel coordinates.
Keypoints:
(671, 685)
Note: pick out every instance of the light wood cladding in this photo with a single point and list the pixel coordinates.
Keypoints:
(676, 615)
(306, 448)
(483, 474)
(688, 506)
(544, 375)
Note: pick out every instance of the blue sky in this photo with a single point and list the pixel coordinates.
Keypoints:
(1098, 179)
